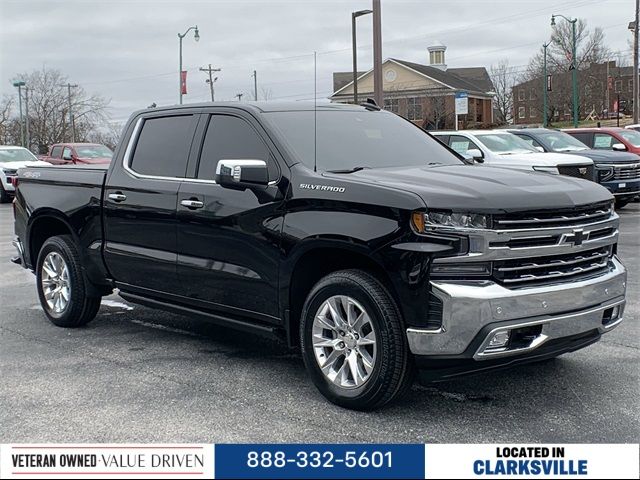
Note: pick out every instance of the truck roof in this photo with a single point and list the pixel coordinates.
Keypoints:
(263, 106)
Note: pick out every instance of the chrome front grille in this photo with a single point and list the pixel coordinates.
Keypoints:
(568, 267)
(544, 247)
(627, 172)
(554, 218)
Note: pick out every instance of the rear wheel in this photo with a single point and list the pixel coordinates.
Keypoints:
(622, 202)
(353, 342)
(62, 287)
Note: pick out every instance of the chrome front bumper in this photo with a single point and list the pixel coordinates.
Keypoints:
(560, 310)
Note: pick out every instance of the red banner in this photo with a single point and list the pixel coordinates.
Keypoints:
(183, 82)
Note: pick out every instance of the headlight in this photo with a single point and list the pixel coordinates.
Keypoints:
(425, 221)
(552, 170)
(605, 172)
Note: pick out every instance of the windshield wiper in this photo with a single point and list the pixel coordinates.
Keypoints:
(348, 170)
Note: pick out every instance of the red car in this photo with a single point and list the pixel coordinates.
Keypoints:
(78, 153)
(608, 138)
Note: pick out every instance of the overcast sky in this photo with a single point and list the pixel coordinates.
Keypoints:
(127, 51)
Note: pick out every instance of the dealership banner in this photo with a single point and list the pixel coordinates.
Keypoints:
(319, 461)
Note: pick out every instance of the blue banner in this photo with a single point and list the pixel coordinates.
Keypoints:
(319, 461)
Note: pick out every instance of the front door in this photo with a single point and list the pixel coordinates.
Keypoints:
(228, 240)
(140, 204)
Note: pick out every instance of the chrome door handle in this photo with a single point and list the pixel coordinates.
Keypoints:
(117, 197)
(192, 203)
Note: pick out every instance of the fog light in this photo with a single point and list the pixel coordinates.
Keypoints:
(500, 339)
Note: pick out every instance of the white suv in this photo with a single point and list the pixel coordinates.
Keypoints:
(11, 159)
(500, 148)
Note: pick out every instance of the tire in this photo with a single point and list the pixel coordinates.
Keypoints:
(4, 196)
(62, 287)
(391, 371)
(621, 203)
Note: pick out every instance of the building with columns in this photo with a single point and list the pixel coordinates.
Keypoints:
(425, 94)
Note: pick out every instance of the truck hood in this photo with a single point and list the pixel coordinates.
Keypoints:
(542, 159)
(17, 165)
(484, 189)
(607, 156)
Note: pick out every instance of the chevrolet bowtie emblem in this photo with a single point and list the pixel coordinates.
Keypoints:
(577, 237)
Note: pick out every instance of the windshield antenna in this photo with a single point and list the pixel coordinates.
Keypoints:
(315, 113)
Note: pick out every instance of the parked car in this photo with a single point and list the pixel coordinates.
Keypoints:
(344, 230)
(608, 138)
(635, 126)
(619, 172)
(501, 148)
(11, 159)
(78, 153)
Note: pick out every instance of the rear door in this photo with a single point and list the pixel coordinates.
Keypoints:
(228, 240)
(140, 203)
(56, 155)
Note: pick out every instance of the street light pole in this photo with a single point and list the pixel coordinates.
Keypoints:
(19, 84)
(196, 37)
(26, 114)
(355, 15)
(544, 85)
(574, 65)
(636, 100)
(378, 94)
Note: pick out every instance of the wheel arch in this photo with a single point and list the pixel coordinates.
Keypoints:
(42, 226)
(316, 259)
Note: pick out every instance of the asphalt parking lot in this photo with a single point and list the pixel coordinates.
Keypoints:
(140, 375)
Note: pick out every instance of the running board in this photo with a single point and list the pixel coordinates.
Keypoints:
(251, 327)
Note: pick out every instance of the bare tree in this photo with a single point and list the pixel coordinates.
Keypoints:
(108, 135)
(503, 78)
(7, 121)
(267, 93)
(590, 48)
(49, 109)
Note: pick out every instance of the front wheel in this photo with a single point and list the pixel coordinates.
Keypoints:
(353, 342)
(62, 288)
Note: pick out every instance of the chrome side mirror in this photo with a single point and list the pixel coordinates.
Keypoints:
(619, 147)
(476, 154)
(242, 174)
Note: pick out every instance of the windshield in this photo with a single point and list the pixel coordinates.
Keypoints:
(631, 136)
(505, 143)
(562, 142)
(350, 139)
(17, 155)
(93, 151)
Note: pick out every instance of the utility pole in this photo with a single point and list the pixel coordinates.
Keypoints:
(255, 85)
(210, 80)
(71, 123)
(545, 85)
(239, 96)
(636, 99)
(378, 95)
(354, 50)
(26, 108)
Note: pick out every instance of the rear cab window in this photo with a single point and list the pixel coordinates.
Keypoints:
(162, 147)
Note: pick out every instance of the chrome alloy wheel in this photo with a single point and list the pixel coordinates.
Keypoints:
(344, 341)
(56, 285)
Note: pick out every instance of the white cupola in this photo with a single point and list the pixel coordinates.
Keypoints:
(436, 56)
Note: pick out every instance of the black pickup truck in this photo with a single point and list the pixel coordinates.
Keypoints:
(343, 230)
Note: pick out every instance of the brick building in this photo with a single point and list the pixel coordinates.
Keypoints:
(599, 87)
(425, 94)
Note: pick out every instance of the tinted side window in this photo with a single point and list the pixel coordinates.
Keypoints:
(529, 140)
(603, 141)
(232, 138)
(163, 146)
(583, 137)
(56, 151)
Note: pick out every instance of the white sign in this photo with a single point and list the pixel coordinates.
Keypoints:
(462, 103)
